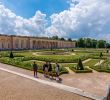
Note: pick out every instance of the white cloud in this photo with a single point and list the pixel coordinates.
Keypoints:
(13, 24)
(86, 18)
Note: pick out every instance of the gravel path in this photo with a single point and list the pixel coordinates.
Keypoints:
(99, 63)
(70, 71)
(89, 82)
(87, 60)
(13, 87)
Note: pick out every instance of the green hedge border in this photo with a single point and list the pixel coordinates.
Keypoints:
(29, 68)
(81, 71)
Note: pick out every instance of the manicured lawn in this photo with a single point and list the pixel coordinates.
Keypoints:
(92, 62)
(18, 62)
(65, 57)
(104, 67)
(54, 58)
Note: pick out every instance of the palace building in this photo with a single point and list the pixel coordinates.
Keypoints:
(11, 42)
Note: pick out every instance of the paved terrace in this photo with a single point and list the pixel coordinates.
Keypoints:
(14, 87)
(92, 85)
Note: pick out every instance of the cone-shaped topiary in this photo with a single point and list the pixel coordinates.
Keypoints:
(101, 54)
(80, 65)
(107, 51)
(11, 55)
(72, 50)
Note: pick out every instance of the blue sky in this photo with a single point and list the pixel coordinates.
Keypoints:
(27, 8)
(65, 18)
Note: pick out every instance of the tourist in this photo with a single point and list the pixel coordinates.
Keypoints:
(35, 68)
(45, 69)
(57, 69)
(50, 69)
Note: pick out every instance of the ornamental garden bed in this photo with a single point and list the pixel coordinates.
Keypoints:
(18, 62)
(86, 70)
(104, 67)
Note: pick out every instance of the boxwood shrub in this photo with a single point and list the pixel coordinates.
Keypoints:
(86, 70)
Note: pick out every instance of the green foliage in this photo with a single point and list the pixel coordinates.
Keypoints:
(24, 59)
(107, 51)
(91, 62)
(69, 39)
(86, 70)
(11, 55)
(104, 67)
(55, 58)
(101, 54)
(80, 65)
(18, 62)
(81, 42)
(62, 39)
(101, 44)
(108, 45)
(91, 43)
(55, 37)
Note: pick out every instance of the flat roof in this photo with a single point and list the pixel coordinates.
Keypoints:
(36, 37)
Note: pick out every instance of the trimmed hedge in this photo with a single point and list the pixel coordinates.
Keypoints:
(17, 61)
(101, 69)
(56, 58)
(86, 70)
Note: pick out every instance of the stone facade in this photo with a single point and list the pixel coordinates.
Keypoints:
(27, 43)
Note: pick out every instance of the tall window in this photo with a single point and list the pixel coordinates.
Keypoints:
(34, 44)
(8, 46)
(27, 44)
(22, 43)
(16, 44)
(2, 46)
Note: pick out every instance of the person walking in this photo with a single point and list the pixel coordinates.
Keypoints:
(50, 69)
(57, 69)
(35, 68)
(45, 69)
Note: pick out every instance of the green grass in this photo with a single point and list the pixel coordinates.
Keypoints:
(68, 64)
(54, 58)
(18, 62)
(25, 58)
(104, 67)
(92, 62)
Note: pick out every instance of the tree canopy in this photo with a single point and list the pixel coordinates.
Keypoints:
(92, 43)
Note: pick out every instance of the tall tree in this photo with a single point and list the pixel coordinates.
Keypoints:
(101, 44)
(107, 45)
(62, 38)
(55, 37)
(94, 43)
(88, 43)
(81, 42)
(69, 39)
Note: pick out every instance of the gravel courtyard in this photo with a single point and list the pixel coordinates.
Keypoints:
(13, 87)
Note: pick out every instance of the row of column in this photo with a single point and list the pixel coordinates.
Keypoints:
(40, 44)
(30, 43)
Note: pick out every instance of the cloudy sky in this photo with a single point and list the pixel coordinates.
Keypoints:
(65, 18)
